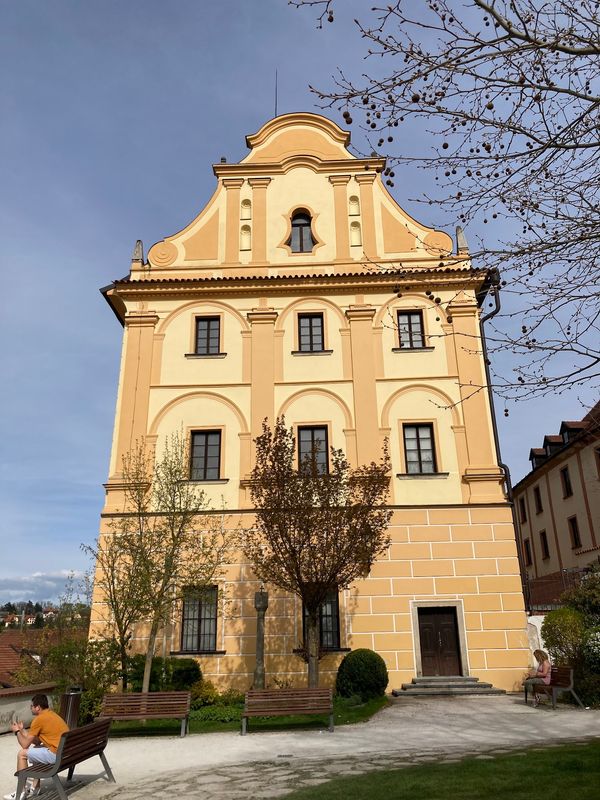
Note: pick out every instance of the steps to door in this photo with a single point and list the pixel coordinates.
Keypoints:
(445, 685)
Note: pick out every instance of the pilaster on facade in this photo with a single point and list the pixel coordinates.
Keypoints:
(482, 475)
(232, 219)
(136, 375)
(368, 445)
(259, 219)
(367, 205)
(340, 206)
(262, 322)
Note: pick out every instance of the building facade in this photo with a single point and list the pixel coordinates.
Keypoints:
(302, 289)
(558, 509)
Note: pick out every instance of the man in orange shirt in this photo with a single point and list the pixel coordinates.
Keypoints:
(39, 744)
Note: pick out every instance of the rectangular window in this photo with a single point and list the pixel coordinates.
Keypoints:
(310, 333)
(544, 545)
(419, 449)
(565, 479)
(574, 533)
(208, 336)
(537, 499)
(199, 622)
(527, 551)
(206, 456)
(522, 510)
(410, 329)
(329, 623)
(312, 444)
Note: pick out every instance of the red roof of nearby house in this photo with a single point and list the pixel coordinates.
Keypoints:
(13, 645)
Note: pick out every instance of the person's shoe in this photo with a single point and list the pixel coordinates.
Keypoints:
(536, 702)
(13, 795)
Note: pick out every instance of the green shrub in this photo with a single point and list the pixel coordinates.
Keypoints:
(167, 674)
(586, 597)
(218, 713)
(362, 672)
(185, 672)
(204, 693)
(231, 697)
(564, 634)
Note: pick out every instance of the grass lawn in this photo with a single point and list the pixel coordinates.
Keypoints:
(570, 772)
(344, 714)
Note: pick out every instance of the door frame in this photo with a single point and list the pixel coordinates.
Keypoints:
(460, 623)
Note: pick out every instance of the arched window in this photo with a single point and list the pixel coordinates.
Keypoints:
(246, 210)
(245, 238)
(353, 206)
(301, 239)
(355, 237)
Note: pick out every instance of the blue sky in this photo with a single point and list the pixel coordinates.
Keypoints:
(105, 104)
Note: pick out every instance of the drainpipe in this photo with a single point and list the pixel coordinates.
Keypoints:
(494, 286)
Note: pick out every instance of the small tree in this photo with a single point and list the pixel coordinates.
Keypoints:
(166, 538)
(315, 533)
(118, 579)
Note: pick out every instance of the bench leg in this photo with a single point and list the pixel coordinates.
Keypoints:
(107, 769)
(244, 726)
(59, 788)
(525, 687)
(554, 698)
(183, 727)
(331, 722)
(578, 700)
(21, 781)
(70, 773)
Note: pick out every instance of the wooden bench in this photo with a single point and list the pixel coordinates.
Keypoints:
(561, 680)
(75, 746)
(283, 702)
(152, 705)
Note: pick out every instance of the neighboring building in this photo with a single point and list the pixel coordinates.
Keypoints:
(303, 289)
(15, 647)
(558, 509)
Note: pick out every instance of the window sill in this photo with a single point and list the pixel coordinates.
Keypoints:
(217, 481)
(298, 652)
(412, 349)
(198, 652)
(428, 475)
(312, 352)
(205, 355)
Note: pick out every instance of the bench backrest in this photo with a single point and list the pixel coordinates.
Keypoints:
(150, 702)
(81, 743)
(561, 676)
(282, 699)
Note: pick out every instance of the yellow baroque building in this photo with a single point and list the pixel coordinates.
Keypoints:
(303, 289)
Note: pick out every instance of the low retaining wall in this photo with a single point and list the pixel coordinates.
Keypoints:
(16, 703)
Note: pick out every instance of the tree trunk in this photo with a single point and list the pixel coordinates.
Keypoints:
(123, 656)
(312, 642)
(149, 656)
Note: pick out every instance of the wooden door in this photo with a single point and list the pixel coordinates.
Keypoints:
(438, 632)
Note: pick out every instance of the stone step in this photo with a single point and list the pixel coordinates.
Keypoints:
(444, 678)
(446, 683)
(441, 691)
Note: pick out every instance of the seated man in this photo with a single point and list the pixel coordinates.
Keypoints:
(39, 744)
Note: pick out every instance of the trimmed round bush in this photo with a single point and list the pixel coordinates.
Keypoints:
(362, 672)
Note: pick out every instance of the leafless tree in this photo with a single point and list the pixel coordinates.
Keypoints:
(509, 92)
(316, 532)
